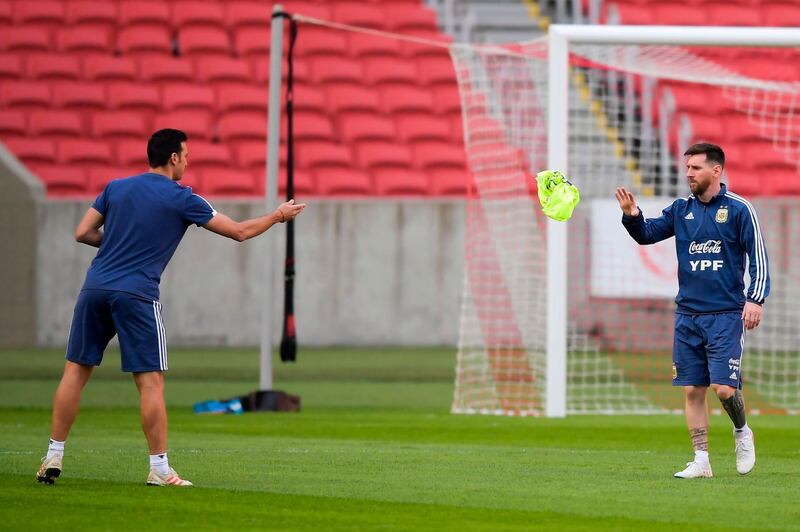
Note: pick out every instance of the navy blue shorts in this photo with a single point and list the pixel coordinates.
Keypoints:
(101, 314)
(707, 349)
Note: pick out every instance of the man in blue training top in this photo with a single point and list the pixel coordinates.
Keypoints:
(715, 232)
(143, 219)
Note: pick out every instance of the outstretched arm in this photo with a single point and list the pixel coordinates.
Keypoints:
(241, 231)
(88, 231)
(627, 202)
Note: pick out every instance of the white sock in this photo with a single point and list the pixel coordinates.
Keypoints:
(159, 463)
(701, 457)
(741, 433)
(55, 448)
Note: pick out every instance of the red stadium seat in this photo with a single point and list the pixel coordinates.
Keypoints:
(323, 154)
(457, 129)
(423, 126)
(342, 182)
(737, 127)
(252, 42)
(315, 9)
(55, 124)
(404, 17)
(84, 40)
(209, 156)
(102, 175)
(253, 155)
(303, 183)
(248, 14)
(131, 153)
(204, 42)
(6, 14)
(237, 127)
(401, 182)
(379, 70)
(366, 45)
(446, 99)
(144, 41)
(419, 50)
(79, 96)
(25, 39)
(351, 97)
(404, 98)
(430, 154)
(13, 123)
(252, 99)
(115, 125)
(332, 69)
(678, 13)
(727, 14)
(783, 181)
(309, 98)
(689, 97)
(144, 13)
(188, 97)
(192, 13)
(355, 127)
(229, 182)
(312, 126)
(25, 95)
(316, 41)
(134, 97)
(84, 151)
(62, 180)
(448, 181)
(360, 14)
(196, 125)
(224, 70)
(781, 14)
(98, 68)
(372, 154)
(436, 71)
(10, 66)
(97, 14)
(53, 67)
(164, 69)
(32, 151)
(629, 13)
(49, 13)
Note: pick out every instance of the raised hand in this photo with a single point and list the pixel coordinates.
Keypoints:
(290, 209)
(626, 202)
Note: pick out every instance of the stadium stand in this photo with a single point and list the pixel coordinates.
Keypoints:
(85, 81)
(698, 107)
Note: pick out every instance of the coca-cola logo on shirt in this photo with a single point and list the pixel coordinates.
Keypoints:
(709, 246)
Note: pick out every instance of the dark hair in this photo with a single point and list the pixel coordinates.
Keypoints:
(163, 144)
(714, 153)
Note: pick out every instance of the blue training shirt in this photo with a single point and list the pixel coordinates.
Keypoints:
(714, 241)
(145, 218)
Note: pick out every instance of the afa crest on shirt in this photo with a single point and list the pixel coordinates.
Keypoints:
(722, 215)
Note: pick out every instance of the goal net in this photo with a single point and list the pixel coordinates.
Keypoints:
(632, 111)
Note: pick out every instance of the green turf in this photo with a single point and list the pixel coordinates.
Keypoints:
(373, 448)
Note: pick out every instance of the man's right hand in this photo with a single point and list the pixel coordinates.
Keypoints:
(290, 209)
(626, 202)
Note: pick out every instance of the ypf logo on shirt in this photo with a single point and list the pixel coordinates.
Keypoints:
(722, 215)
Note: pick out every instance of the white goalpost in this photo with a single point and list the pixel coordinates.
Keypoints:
(598, 103)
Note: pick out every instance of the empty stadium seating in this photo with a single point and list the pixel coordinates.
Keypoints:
(84, 82)
(753, 164)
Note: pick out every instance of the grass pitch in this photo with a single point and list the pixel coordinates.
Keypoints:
(373, 448)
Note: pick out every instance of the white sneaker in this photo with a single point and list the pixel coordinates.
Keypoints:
(50, 469)
(745, 453)
(695, 470)
(170, 479)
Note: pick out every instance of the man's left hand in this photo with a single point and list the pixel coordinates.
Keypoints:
(751, 315)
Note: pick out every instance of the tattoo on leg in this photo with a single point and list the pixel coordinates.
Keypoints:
(699, 438)
(734, 406)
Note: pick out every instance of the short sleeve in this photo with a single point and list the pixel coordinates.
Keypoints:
(198, 211)
(101, 202)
